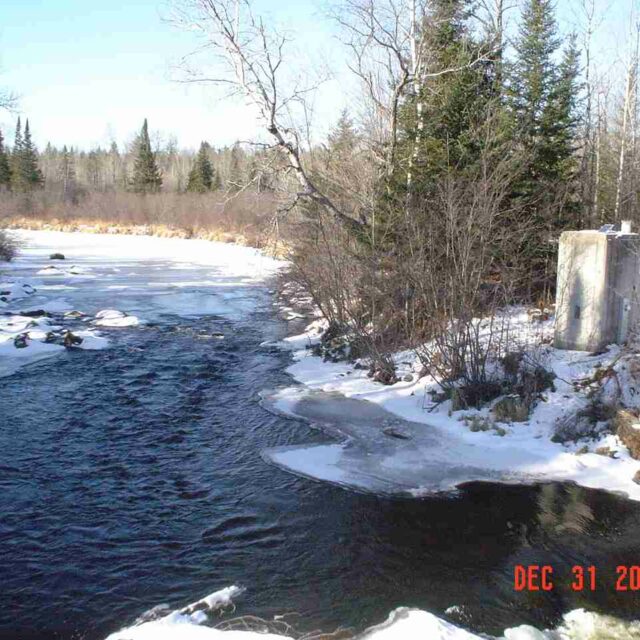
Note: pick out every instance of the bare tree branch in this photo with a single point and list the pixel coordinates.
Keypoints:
(254, 56)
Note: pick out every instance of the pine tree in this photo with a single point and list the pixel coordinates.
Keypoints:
(5, 169)
(146, 174)
(201, 176)
(25, 173)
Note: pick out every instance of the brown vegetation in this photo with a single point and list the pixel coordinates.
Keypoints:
(244, 218)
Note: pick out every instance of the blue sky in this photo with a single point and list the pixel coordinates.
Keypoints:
(91, 70)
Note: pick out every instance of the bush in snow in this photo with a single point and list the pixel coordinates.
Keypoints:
(8, 247)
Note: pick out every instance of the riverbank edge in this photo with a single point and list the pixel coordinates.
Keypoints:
(275, 249)
(599, 460)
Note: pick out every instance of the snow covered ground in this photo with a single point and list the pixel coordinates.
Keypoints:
(109, 282)
(392, 439)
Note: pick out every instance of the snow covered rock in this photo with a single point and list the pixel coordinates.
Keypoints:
(21, 342)
(50, 271)
(115, 318)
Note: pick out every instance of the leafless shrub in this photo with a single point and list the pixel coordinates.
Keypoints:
(465, 271)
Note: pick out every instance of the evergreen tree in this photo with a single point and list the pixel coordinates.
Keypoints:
(5, 169)
(16, 155)
(544, 98)
(234, 176)
(439, 121)
(561, 121)
(343, 138)
(25, 173)
(201, 176)
(146, 174)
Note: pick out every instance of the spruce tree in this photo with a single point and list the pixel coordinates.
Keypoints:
(146, 174)
(438, 121)
(561, 122)
(5, 169)
(25, 173)
(544, 101)
(234, 176)
(201, 176)
(343, 138)
(16, 154)
(545, 97)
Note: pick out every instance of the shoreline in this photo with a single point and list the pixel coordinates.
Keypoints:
(81, 225)
(425, 440)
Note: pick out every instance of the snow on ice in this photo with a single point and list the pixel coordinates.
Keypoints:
(115, 318)
(391, 439)
(402, 624)
(145, 276)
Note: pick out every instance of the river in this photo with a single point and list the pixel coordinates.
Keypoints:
(133, 475)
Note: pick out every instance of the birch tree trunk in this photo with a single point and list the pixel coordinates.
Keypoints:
(626, 119)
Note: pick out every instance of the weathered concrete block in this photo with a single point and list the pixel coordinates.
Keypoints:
(596, 300)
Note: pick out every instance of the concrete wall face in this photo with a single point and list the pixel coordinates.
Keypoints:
(597, 301)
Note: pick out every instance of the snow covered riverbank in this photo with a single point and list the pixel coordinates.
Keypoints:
(414, 447)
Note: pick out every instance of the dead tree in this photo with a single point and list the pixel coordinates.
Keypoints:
(253, 66)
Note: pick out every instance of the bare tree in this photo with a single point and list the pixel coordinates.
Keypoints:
(627, 113)
(253, 66)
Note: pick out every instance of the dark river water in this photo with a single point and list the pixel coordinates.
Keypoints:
(132, 476)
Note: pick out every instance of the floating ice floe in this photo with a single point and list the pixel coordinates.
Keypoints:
(115, 318)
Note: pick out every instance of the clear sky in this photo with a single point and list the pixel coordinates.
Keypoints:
(88, 71)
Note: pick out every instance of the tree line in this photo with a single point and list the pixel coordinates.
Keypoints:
(139, 168)
(440, 195)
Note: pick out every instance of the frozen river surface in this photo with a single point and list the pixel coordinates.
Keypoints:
(133, 474)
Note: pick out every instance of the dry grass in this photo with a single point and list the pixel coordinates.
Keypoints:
(244, 219)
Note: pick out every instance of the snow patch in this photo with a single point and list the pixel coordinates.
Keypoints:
(442, 452)
(115, 318)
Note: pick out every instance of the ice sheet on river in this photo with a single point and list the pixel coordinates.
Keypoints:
(118, 282)
(379, 452)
